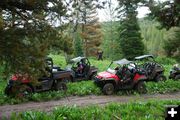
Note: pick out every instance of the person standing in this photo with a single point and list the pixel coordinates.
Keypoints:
(100, 55)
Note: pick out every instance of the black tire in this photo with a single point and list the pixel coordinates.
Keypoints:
(160, 77)
(66, 80)
(7, 90)
(177, 77)
(141, 87)
(61, 86)
(92, 76)
(108, 89)
(22, 91)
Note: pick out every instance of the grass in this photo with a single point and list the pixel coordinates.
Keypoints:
(151, 110)
(163, 87)
(59, 60)
(87, 87)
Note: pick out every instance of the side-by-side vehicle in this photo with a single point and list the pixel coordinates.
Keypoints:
(175, 72)
(81, 69)
(154, 70)
(20, 85)
(120, 75)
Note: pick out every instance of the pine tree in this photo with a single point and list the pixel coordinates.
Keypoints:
(27, 33)
(91, 34)
(78, 46)
(153, 37)
(167, 13)
(110, 47)
(129, 32)
(74, 27)
(172, 43)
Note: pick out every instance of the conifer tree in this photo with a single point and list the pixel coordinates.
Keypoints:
(129, 32)
(27, 33)
(167, 13)
(75, 27)
(91, 34)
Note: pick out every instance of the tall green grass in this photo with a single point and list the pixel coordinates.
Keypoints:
(59, 60)
(151, 110)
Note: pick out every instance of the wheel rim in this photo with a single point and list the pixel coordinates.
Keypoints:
(177, 77)
(109, 90)
(160, 79)
(62, 86)
(24, 92)
(141, 88)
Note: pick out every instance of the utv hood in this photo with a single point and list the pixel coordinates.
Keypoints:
(107, 75)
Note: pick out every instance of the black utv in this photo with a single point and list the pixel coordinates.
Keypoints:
(175, 72)
(81, 69)
(154, 71)
(20, 85)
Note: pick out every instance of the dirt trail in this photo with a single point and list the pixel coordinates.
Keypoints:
(83, 101)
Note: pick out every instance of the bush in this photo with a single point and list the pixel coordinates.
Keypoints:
(163, 87)
(165, 60)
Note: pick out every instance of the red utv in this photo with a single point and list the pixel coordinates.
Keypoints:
(124, 76)
(21, 86)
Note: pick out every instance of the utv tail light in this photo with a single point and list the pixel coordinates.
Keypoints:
(14, 77)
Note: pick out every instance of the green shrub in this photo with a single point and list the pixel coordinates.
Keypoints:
(83, 88)
(163, 87)
(165, 60)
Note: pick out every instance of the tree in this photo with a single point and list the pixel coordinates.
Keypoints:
(78, 46)
(75, 27)
(172, 43)
(91, 34)
(110, 46)
(167, 13)
(129, 32)
(153, 37)
(27, 33)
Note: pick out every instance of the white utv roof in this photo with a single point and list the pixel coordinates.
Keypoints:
(122, 62)
(144, 56)
(77, 59)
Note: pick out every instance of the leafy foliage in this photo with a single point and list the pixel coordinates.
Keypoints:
(172, 43)
(167, 13)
